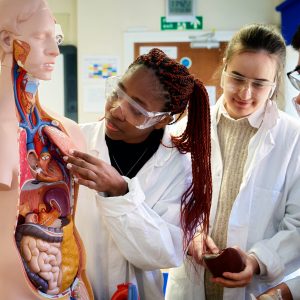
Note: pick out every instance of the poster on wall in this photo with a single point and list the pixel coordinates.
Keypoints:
(96, 69)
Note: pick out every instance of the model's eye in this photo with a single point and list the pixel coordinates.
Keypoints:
(40, 36)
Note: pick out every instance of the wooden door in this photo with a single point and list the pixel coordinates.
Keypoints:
(205, 63)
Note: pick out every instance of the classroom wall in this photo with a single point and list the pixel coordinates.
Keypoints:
(100, 25)
(65, 12)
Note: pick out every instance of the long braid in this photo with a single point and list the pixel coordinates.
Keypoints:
(185, 91)
(196, 201)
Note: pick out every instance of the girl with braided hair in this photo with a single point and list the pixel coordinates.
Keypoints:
(140, 186)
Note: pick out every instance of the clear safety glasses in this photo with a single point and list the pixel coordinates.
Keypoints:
(258, 88)
(134, 113)
(294, 77)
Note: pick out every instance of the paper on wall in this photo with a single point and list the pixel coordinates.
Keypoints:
(96, 69)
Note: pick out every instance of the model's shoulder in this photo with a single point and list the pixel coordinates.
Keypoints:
(71, 128)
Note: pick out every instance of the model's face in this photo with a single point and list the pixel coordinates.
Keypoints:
(252, 86)
(142, 86)
(37, 46)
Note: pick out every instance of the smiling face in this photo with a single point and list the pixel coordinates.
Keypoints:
(142, 86)
(242, 101)
(37, 37)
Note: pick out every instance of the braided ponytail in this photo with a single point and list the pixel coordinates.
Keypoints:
(185, 91)
(196, 201)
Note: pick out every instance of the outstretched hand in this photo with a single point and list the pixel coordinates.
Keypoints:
(96, 174)
(241, 279)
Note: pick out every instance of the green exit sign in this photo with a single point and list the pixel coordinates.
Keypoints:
(196, 25)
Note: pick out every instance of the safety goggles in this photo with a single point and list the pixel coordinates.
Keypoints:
(294, 77)
(258, 88)
(134, 113)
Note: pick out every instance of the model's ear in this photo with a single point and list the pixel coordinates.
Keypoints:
(6, 41)
(165, 121)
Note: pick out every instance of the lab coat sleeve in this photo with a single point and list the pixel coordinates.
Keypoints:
(294, 286)
(281, 253)
(148, 237)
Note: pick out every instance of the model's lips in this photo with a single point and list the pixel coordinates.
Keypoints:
(49, 66)
(110, 126)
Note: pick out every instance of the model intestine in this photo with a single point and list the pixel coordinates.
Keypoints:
(44, 232)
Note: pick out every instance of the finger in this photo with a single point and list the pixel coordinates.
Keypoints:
(234, 276)
(229, 283)
(211, 245)
(196, 248)
(199, 258)
(73, 161)
(85, 156)
(84, 173)
(88, 183)
(236, 279)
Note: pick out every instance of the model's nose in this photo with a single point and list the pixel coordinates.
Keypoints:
(52, 47)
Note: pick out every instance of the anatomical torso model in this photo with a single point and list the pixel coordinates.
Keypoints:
(41, 254)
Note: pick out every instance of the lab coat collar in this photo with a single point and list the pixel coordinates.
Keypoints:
(267, 115)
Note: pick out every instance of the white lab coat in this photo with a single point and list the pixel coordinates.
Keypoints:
(294, 283)
(265, 217)
(297, 106)
(294, 286)
(142, 227)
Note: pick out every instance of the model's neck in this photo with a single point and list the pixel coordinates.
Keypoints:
(25, 90)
